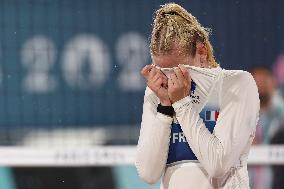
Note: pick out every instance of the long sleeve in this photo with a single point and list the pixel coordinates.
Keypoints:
(235, 127)
(153, 144)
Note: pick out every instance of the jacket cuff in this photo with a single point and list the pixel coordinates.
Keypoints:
(178, 105)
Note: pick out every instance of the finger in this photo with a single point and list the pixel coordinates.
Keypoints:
(179, 75)
(186, 76)
(171, 88)
(162, 74)
(165, 83)
(163, 77)
(174, 79)
(170, 83)
(146, 70)
(156, 80)
(157, 84)
(152, 73)
(185, 72)
(155, 77)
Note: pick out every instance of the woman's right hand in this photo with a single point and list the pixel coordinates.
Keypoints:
(158, 83)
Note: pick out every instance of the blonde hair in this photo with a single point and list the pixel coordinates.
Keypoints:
(173, 23)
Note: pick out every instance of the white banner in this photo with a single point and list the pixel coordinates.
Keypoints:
(108, 156)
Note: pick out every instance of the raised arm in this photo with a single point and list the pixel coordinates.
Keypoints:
(153, 144)
(234, 130)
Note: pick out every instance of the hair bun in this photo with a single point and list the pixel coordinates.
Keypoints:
(171, 13)
(170, 9)
(174, 9)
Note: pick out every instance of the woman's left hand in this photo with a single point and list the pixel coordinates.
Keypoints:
(179, 84)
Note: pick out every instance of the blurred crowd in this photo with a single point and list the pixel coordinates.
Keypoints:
(270, 129)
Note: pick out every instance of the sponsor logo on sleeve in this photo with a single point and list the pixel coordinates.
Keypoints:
(195, 98)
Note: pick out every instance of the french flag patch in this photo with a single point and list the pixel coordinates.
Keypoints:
(211, 115)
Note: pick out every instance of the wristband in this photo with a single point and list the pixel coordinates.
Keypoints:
(166, 110)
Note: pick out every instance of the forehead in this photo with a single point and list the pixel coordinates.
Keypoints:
(170, 60)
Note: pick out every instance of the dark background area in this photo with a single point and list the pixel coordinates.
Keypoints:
(244, 33)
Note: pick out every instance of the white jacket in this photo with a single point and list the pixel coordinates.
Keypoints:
(207, 142)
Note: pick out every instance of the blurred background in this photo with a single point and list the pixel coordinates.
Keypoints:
(71, 93)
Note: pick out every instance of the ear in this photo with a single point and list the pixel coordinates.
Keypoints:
(201, 50)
